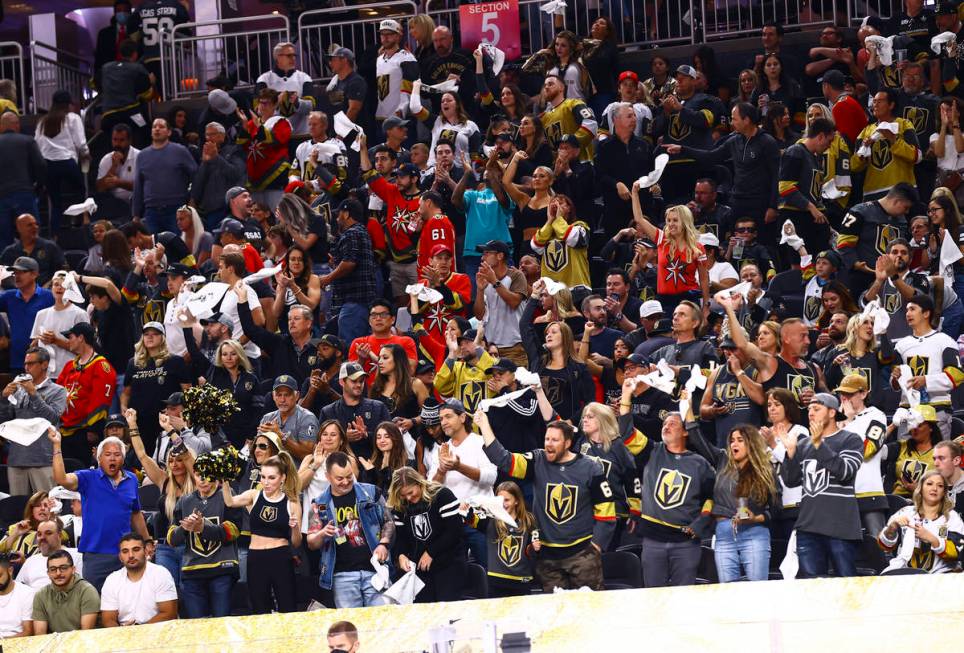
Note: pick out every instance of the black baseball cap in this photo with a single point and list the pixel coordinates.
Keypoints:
(571, 140)
(179, 269)
(946, 9)
(115, 420)
(83, 329)
(832, 257)
(833, 77)
(424, 366)
(503, 365)
(408, 169)
(230, 226)
(353, 207)
(176, 399)
(332, 341)
(468, 334)
(636, 359)
(493, 246)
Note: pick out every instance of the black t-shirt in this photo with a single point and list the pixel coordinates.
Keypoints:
(353, 87)
(351, 552)
(319, 251)
(559, 390)
(151, 385)
(115, 332)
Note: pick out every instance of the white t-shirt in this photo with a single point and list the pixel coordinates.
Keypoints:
(722, 270)
(951, 159)
(15, 608)
(172, 326)
(137, 601)
(229, 307)
(125, 172)
(33, 573)
(470, 453)
(53, 320)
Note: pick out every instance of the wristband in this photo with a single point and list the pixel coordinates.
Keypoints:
(58, 453)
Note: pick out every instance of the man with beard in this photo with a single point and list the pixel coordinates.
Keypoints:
(111, 506)
(323, 384)
(33, 573)
(829, 341)
(463, 375)
(139, 593)
(732, 397)
(573, 504)
(357, 414)
(825, 463)
(68, 603)
(16, 618)
(564, 116)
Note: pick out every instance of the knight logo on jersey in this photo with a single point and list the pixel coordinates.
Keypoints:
(447, 136)
(815, 479)
(678, 130)
(422, 526)
(892, 302)
(671, 488)
(918, 117)
(472, 394)
(557, 256)
(886, 234)
(816, 184)
(891, 76)
(912, 470)
(796, 383)
(382, 84)
(510, 550)
(918, 365)
(811, 308)
(206, 548)
(554, 134)
(561, 500)
(268, 513)
(880, 154)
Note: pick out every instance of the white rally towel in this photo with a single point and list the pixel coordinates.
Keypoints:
(326, 149)
(788, 235)
(501, 400)
(906, 417)
(742, 289)
(448, 86)
(263, 273)
(557, 7)
(202, 302)
(663, 379)
(696, 380)
(552, 286)
(913, 396)
(406, 588)
(5, 272)
(950, 254)
(873, 310)
(941, 39)
(496, 55)
(423, 293)
(87, 206)
(382, 578)
(885, 47)
(790, 564)
(24, 431)
(651, 178)
(830, 191)
(892, 127)
(344, 126)
(492, 504)
(71, 289)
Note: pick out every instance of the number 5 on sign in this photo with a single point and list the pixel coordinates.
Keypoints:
(492, 22)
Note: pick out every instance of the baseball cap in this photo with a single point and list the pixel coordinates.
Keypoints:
(832, 257)
(493, 246)
(946, 9)
(502, 365)
(351, 371)
(833, 77)
(852, 383)
(83, 329)
(570, 140)
(469, 334)
(926, 411)
(157, 326)
(115, 420)
(220, 101)
(650, 307)
(176, 399)
(233, 192)
(664, 325)
(826, 399)
(628, 74)
(647, 243)
(635, 359)
(393, 121)
(409, 169)
(179, 269)
(217, 318)
(231, 226)
(25, 264)
(687, 70)
(353, 207)
(285, 381)
(344, 53)
(424, 366)
(389, 25)
(332, 341)
(708, 239)
(454, 405)
(438, 249)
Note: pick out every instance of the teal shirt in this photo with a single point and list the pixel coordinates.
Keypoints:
(485, 220)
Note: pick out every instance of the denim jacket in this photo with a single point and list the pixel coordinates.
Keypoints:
(371, 512)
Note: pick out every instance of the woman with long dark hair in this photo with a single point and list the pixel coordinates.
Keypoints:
(565, 59)
(661, 84)
(784, 419)
(116, 254)
(776, 85)
(945, 221)
(777, 122)
(395, 387)
(835, 298)
(510, 102)
(63, 145)
(451, 123)
(599, 55)
(297, 284)
(389, 454)
(704, 60)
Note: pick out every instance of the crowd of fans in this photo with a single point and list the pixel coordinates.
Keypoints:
(465, 328)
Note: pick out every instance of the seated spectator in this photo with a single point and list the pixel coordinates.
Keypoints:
(390, 454)
(296, 427)
(908, 460)
(49, 539)
(21, 537)
(17, 617)
(394, 386)
(199, 242)
(29, 244)
(139, 593)
(68, 603)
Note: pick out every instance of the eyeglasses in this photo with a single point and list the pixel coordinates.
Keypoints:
(261, 445)
(59, 568)
(745, 230)
(931, 210)
(380, 314)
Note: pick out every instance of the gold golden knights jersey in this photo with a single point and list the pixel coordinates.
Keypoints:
(888, 163)
(571, 116)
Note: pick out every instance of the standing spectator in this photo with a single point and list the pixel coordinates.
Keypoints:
(891, 157)
(353, 277)
(155, 20)
(90, 382)
(139, 593)
(51, 322)
(296, 427)
(125, 89)
(829, 57)
(356, 413)
(115, 175)
(446, 61)
(19, 186)
(429, 534)
(285, 76)
(162, 175)
(563, 243)
(350, 523)
(22, 304)
(291, 353)
(601, 61)
(63, 144)
(110, 37)
(28, 467)
(222, 168)
(826, 464)
(573, 505)
(395, 70)
(69, 603)
(17, 617)
(499, 301)
(348, 89)
(455, 288)
(564, 116)
(265, 136)
(46, 253)
(622, 159)
(801, 201)
(110, 505)
(275, 518)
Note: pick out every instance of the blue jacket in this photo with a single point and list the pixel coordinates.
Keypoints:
(372, 513)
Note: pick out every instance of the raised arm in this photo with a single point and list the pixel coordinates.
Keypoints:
(648, 228)
(520, 197)
(151, 468)
(61, 477)
(100, 282)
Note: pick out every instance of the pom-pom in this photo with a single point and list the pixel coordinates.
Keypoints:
(221, 464)
(208, 407)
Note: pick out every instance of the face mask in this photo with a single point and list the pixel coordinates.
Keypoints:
(121, 17)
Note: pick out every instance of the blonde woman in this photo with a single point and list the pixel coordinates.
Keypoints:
(599, 437)
(152, 376)
(198, 241)
(232, 371)
(929, 521)
(864, 353)
(420, 28)
(534, 205)
(175, 481)
(428, 534)
(682, 271)
(274, 514)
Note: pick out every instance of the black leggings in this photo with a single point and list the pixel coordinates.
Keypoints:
(443, 583)
(271, 570)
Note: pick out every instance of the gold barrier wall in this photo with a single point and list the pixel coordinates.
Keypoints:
(912, 613)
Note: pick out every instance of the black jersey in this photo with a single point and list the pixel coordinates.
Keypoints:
(156, 20)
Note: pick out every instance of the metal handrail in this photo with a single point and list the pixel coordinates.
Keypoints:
(74, 77)
(19, 79)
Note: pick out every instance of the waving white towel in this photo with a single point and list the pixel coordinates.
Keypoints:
(87, 206)
(557, 7)
(344, 126)
(651, 178)
(24, 431)
(885, 47)
(406, 588)
(423, 293)
(941, 39)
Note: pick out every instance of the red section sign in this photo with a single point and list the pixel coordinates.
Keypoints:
(492, 22)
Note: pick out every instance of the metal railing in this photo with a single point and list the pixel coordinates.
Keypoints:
(354, 27)
(53, 69)
(637, 22)
(236, 48)
(536, 28)
(857, 9)
(732, 18)
(11, 67)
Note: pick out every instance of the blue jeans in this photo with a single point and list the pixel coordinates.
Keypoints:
(12, 206)
(98, 566)
(953, 319)
(475, 540)
(471, 265)
(161, 218)
(352, 322)
(353, 589)
(749, 553)
(170, 557)
(206, 597)
(816, 551)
